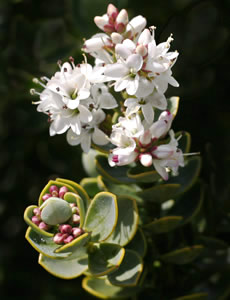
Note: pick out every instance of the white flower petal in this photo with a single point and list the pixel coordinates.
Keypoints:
(145, 37)
(135, 62)
(107, 101)
(122, 51)
(116, 70)
(72, 138)
(148, 113)
(86, 142)
(145, 87)
(99, 137)
(161, 170)
(85, 114)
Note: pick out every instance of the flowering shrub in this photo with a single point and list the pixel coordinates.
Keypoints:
(124, 227)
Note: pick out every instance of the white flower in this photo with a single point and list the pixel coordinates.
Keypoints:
(90, 131)
(146, 104)
(161, 127)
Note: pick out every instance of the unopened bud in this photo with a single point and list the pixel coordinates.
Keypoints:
(112, 11)
(65, 228)
(142, 50)
(100, 22)
(46, 196)
(75, 210)
(54, 190)
(76, 219)
(146, 159)
(62, 191)
(59, 238)
(37, 211)
(68, 239)
(116, 38)
(122, 17)
(36, 220)
(43, 226)
(76, 231)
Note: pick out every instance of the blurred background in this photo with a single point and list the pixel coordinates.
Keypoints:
(33, 36)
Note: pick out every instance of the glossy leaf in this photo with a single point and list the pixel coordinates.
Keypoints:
(63, 268)
(127, 221)
(197, 296)
(28, 214)
(105, 258)
(88, 162)
(165, 224)
(142, 174)
(159, 193)
(74, 198)
(129, 271)
(101, 217)
(43, 244)
(92, 186)
(183, 256)
(101, 288)
(173, 105)
(138, 243)
(184, 142)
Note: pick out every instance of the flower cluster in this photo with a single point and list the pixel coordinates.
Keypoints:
(78, 98)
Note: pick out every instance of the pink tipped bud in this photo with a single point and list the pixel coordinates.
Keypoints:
(146, 159)
(122, 17)
(43, 226)
(76, 231)
(76, 219)
(142, 50)
(108, 28)
(112, 11)
(37, 211)
(65, 228)
(52, 189)
(46, 196)
(120, 27)
(36, 220)
(101, 21)
(60, 237)
(75, 210)
(68, 239)
(62, 191)
(116, 38)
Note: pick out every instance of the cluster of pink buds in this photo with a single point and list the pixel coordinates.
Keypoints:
(54, 191)
(66, 234)
(36, 219)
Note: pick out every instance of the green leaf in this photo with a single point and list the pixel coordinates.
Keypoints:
(188, 205)
(101, 217)
(63, 268)
(78, 189)
(105, 258)
(183, 256)
(55, 211)
(28, 214)
(74, 198)
(101, 288)
(159, 193)
(142, 174)
(88, 162)
(129, 271)
(58, 184)
(127, 221)
(138, 243)
(184, 142)
(187, 175)
(114, 174)
(164, 224)
(197, 296)
(173, 105)
(92, 186)
(43, 244)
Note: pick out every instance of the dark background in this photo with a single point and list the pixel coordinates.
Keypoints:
(33, 36)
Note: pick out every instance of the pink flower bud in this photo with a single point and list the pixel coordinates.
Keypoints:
(76, 219)
(68, 239)
(62, 191)
(46, 196)
(37, 211)
(122, 17)
(60, 237)
(43, 226)
(112, 11)
(120, 28)
(100, 22)
(108, 28)
(36, 220)
(142, 50)
(65, 228)
(76, 231)
(146, 159)
(53, 188)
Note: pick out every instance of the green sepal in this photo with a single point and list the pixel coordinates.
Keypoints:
(197, 296)
(101, 217)
(28, 214)
(159, 193)
(184, 142)
(183, 256)
(165, 224)
(129, 271)
(92, 185)
(138, 243)
(74, 198)
(44, 244)
(104, 258)
(188, 205)
(101, 288)
(187, 175)
(78, 247)
(173, 105)
(79, 190)
(58, 184)
(63, 268)
(143, 174)
(127, 221)
(114, 174)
